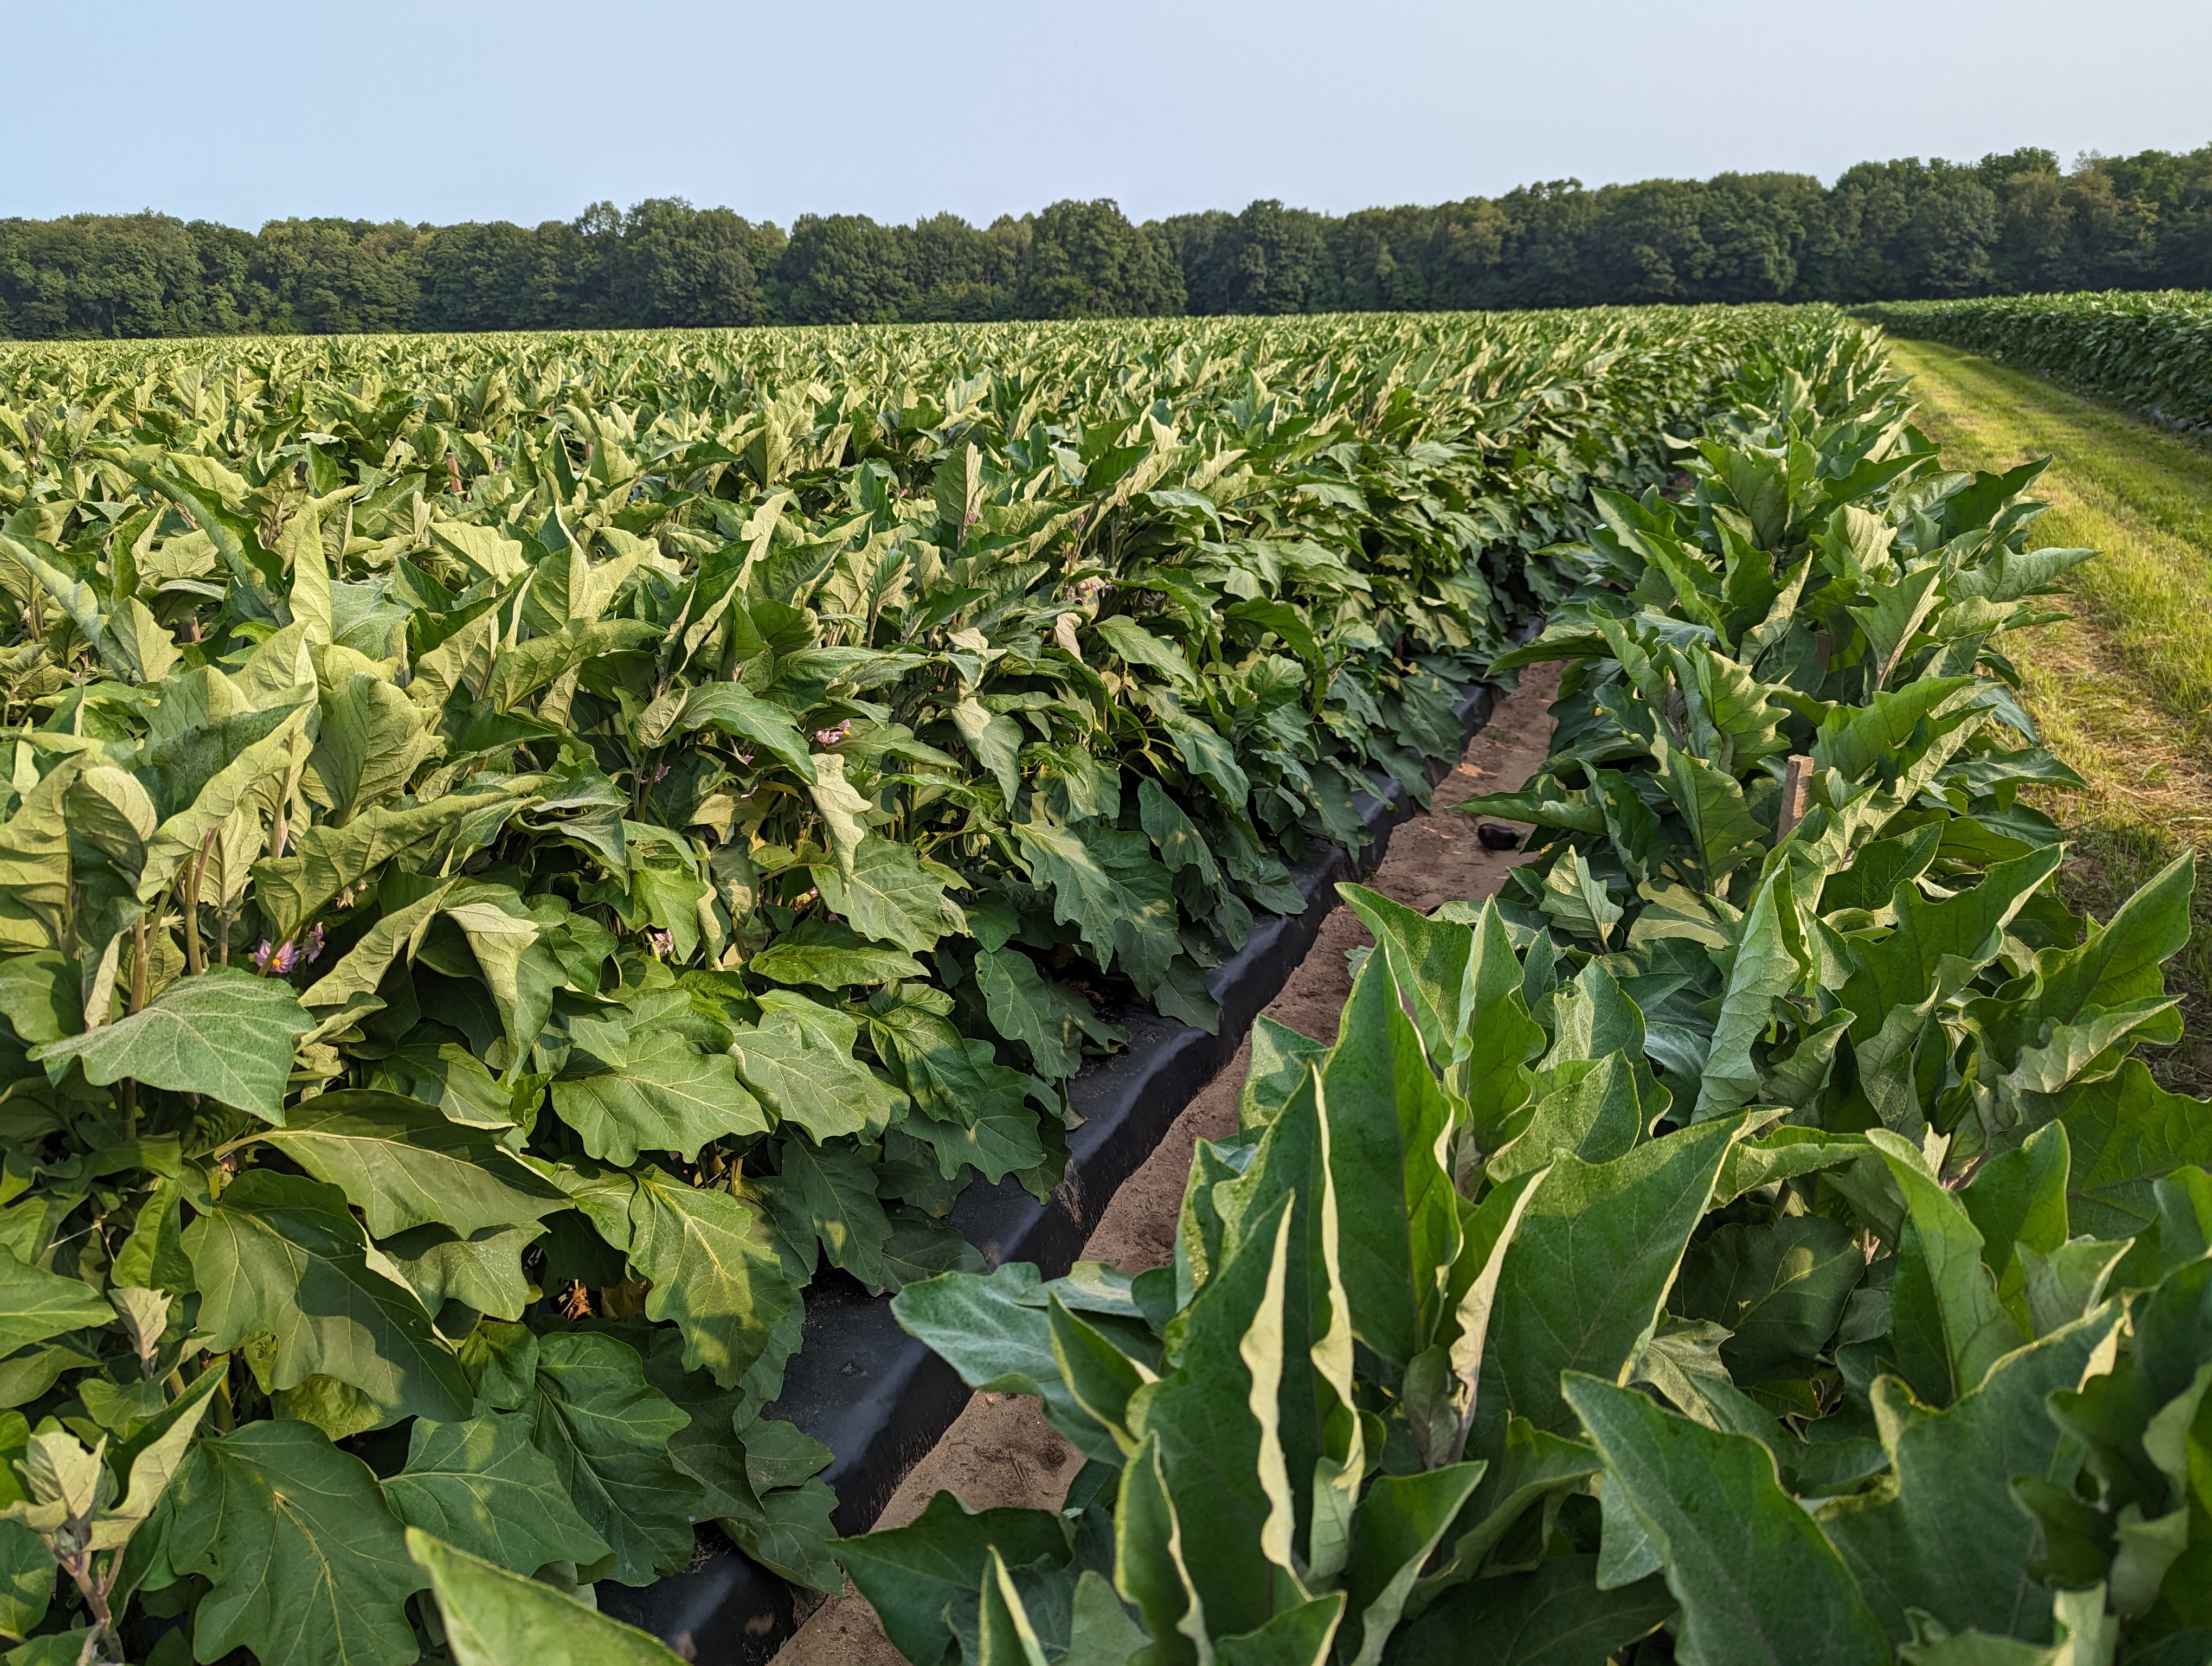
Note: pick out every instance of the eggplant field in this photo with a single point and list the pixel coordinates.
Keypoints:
(524, 859)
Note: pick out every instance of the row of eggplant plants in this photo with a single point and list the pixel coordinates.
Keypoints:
(1749, 1236)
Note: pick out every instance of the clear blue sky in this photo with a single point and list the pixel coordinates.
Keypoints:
(501, 110)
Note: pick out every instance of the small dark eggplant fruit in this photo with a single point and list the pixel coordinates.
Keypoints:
(1496, 835)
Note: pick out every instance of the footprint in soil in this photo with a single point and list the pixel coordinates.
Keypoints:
(1000, 1451)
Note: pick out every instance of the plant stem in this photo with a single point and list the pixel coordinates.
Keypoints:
(194, 963)
(127, 1093)
(78, 1565)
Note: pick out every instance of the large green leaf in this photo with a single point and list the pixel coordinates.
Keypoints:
(728, 708)
(1779, 1289)
(482, 1271)
(843, 810)
(1106, 885)
(1173, 834)
(1587, 1273)
(2126, 1131)
(283, 1257)
(2116, 962)
(1324, 1449)
(1594, 1113)
(27, 1580)
(371, 738)
(518, 670)
(787, 1530)
(1756, 1579)
(1593, 1018)
(709, 1447)
(1280, 1060)
(1769, 963)
(1976, 1331)
(656, 1093)
(1388, 1123)
(1216, 1419)
(1579, 899)
(40, 996)
(1150, 1572)
(1430, 960)
(1852, 738)
(35, 1304)
(248, 772)
(951, 1078)
(832, 1190)
(888, 896)
(1211, 759)
(1499, 1039)
(1964, 930)
(708, 1256)
(1946, 1536)
(292, 889)
(1393, 1531)
(2017, 1198)
(1003, 1139)
(226, 1033)
(993, 739)
(997, 1333)
(504, 939)
(606, 1434)
(1097, 1372)
(36, 884)
(1004, 1632)
(495, 1618)
(484, 1487)
(1140, 646)
(402, 1163)
(1899, 610)
(1553, 1616)
(922, 1247)
(798, 1059)
(1299, 1636)
(1026, 1007)
(832, 964)
(911, 1574)
(1723, 834)
(304, 1564)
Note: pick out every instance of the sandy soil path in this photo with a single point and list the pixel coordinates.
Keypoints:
(1000, 1451)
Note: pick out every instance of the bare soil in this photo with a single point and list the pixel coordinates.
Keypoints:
(1000, 1451)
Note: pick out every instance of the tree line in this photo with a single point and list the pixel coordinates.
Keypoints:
(1896, 230)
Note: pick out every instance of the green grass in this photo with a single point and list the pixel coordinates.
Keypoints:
(2124, 691)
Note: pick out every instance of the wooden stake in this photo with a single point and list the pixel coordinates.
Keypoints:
(1796, 783)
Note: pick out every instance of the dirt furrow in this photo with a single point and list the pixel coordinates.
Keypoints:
(1000, 1451)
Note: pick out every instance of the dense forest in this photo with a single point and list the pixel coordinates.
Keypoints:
(1896, 230)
